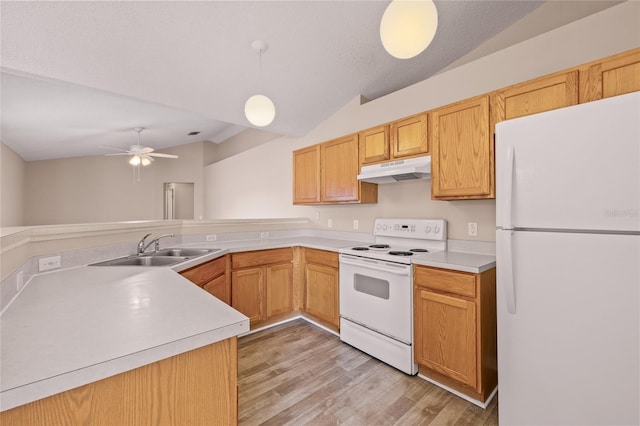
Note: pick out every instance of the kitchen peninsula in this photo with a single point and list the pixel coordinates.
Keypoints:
(82, 327)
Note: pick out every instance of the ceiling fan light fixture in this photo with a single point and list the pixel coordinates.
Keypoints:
(259, 109)
(135, 160)
(145, 161)
(408, 27)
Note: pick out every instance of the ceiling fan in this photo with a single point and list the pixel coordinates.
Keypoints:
(140, 155)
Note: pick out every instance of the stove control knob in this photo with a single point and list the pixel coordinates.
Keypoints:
(378, 226)
(384, 227)
(436, 229)
(427, 229)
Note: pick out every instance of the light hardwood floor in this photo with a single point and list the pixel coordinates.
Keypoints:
(297, 374)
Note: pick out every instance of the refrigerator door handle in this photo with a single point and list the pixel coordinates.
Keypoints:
(505, 254)
(508, 190)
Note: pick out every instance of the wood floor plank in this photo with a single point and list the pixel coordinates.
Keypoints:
(299, 374)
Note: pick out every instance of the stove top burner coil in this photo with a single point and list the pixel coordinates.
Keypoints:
(380, 246)
(360, 248)
(419, 250)
(401, 253)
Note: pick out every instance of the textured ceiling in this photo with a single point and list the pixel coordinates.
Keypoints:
(80, 75)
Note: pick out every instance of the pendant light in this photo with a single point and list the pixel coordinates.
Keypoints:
(408, 27)
(259, 109)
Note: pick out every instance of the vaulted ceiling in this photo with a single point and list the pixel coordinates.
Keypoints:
(79, 76)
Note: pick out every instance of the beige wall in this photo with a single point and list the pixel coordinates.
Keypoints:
(12, 177)
(103, 189)
(257, 183)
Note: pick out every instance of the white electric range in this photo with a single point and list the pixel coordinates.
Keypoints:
(376, 288)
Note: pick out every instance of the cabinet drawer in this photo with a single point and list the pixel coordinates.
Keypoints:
(453, 282)
(262, 257)
(204, 273)
(321, 257)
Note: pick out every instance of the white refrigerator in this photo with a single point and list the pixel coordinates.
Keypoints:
(568, 259)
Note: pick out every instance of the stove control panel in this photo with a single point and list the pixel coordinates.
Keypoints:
(423, 229)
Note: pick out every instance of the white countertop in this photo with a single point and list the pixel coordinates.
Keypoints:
(79, 325)
(459, 261)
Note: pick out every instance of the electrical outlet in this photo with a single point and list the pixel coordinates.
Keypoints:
(48, 263)
(329, 223)
(19, 280)
(264, 235)
(212, 237)
(316, 215)
(355, 224)
(473, 229)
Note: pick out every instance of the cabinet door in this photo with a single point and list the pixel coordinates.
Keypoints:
(306, 175)
(247, 292)
(279, 289)
(340, 170)
(218, 287)
(409, 136)
(462, 152)
(445, 335)
(539, 95)
(374, 145)
(613, 76)
(204, 273)
(321, 293)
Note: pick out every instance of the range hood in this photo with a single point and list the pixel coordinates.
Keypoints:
(397, 171)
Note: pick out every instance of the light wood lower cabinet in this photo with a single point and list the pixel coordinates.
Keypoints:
(198, 387)
(262, 283)
(321, 296)
(213, 277)
(455, 329)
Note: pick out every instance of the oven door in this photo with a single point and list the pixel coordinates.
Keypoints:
(377, 295)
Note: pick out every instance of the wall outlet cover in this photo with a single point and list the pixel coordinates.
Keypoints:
(48, 263)
(473, 229)
(356, 224)
(329, 223)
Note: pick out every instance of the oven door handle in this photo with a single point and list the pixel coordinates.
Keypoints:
(398, 270)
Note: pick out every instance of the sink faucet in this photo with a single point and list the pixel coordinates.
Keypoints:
(142, 247)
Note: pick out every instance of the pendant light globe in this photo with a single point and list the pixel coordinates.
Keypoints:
(259, 110)
(408, 27)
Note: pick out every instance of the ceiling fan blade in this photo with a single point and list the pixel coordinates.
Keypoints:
(158, 154)
(146, 150)
(118, 153)
(114, 149)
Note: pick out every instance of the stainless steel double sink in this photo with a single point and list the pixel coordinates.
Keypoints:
(164, 257)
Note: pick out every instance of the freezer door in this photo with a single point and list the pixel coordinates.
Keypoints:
(569, 353)
(572, 168)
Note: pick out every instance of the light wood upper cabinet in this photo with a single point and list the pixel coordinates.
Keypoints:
(400, 139)
(613, 76)
(542, 94)
(409, 137)
(339, 169)
(374, 145)
(462, 151)
(327, 173)
(306, 175)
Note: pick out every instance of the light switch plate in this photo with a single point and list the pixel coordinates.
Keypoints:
(212, 237)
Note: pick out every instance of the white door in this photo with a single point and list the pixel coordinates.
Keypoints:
(568, 328)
